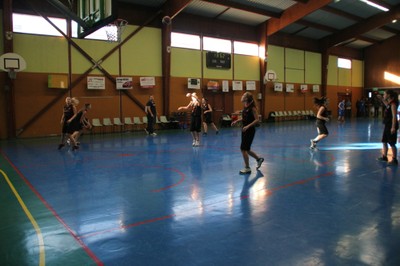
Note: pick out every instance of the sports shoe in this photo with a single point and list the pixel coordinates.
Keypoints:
(60, 146)
(197, 143)
(393, 162)
(217, 132)
(259, 162)
(246, 170)
(194, 143)
(153, 134)
(382, 158)
(313, 144)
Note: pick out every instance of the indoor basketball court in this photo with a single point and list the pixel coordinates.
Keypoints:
(132, 199)
(124, 197)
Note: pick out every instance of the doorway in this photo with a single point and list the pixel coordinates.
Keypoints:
(221, 103)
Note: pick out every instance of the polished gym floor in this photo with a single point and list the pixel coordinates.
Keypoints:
(133, 199)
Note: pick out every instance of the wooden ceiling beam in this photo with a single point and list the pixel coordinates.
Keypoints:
(247, 8)
(293, 14)
(172, 8)
(360, 28)
(341, 13)
(316, 26)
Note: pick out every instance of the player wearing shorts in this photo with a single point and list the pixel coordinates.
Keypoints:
(391, 126)
(207, 120)
(195, 117)
(322, 118)
(249, 121)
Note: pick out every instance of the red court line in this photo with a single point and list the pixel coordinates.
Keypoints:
(128, 226)
(298, 182)
(269, 192)
(87, 250)
(173, 185)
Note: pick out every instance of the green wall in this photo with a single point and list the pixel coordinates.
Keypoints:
(188, 63)
(246, 67)
(139, 56)
(345, 77)
(276, 55)
(185, 63)
(295, 66)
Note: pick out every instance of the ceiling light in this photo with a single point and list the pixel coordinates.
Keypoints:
(394, 20)
(375, 5)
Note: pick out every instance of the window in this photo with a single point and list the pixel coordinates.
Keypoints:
(38, 25)
(344, 63)
(182, 40)
(217, 45)
(245, 48)
(100, 34)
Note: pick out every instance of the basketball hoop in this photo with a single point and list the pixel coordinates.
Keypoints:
(12, 74)
(270, 75)
(114, 30)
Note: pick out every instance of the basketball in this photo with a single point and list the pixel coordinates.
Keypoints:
(166, 20)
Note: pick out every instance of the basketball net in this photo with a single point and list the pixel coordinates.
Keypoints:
(12, 74)
(114, 30)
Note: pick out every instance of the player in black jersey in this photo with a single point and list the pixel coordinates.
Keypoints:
(207, 120)
(195, 117)
(249, 122)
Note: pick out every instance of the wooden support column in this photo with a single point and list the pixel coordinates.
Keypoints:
(263, 43)
(324, 70)
(9, 83)
(166, 65)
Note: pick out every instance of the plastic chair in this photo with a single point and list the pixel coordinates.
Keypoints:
(128, 122)
(226, 120)
(137, 122)
(163, 119)
(117, 122)
(107, 123)
(96, 124)
(144, 119)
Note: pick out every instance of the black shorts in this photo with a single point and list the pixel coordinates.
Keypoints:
(207, 119)
(247, 139)
(388, 137)
(322, 128)
(65, 128)
(195, 123)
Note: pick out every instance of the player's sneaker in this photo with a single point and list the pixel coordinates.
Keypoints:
(246, 170)
(313, 144)
(259, 162)
(382, 158)
(393, 162)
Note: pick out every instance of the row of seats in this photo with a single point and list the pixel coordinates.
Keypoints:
(291, 115)
(128, 123)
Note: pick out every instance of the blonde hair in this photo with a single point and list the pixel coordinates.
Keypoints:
(74, 101)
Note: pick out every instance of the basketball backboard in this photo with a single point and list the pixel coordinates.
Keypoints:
(96, 14)
(12, 63)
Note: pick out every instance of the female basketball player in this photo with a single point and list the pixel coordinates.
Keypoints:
(322, 118)
(249, 121)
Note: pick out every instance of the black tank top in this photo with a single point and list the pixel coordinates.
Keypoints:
(196, 110)
(388, 116)
(68, 112)
(247, 116)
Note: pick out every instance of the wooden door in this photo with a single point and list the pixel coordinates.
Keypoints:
(221, 103)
